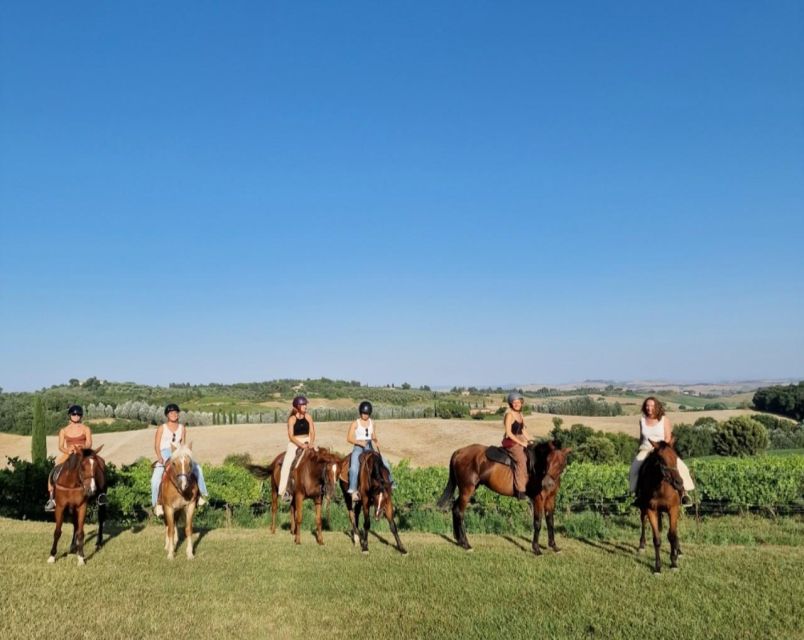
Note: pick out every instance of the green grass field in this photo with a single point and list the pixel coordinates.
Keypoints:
(248, 584)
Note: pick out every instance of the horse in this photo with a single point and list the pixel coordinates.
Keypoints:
(658, 491)
(314, 477)
(80, 477)
(178, 493)
(470, 467)
(374, 488)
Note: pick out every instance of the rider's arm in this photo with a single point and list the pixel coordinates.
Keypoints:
(312, 431)
(88, 437)
(183, 435)
(350, 437)
(668, 430)
(62, 445)
(157, 438)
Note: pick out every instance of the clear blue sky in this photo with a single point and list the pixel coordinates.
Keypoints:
(439, 193)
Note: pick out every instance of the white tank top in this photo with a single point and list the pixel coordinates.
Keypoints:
(654, 433)
(168, 437)
(364, 432)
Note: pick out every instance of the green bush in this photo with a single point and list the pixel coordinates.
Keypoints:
(694, 441)
(597, 449)
(740, 436)
(451, 409)
(625, 446)
(237, 459)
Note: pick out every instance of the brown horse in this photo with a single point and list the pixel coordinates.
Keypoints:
(178, 493)
(658, 491)
(314, 477)
(80, 477)
(470, 467)
(374, 489)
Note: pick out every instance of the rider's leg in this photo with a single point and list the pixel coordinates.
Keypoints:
(354, 467)
(284, 473)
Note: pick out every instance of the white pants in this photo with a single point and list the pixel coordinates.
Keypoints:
(290, 454)
(644, 449)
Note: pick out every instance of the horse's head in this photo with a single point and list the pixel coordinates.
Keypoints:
(668, 463)
(555, 464)
(181, 461)
(92, 470)
(330, 468)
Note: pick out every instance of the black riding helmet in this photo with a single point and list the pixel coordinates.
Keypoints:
(171, 407)
(365, 407)
(75, 410)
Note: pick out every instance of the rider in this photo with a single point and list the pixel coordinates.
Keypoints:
(363, 436)
(172, 432)
(72, 438)
(654, 426)
(515, 440)
(301, 435)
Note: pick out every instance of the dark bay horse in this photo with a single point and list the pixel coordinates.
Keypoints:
(374, 489)
(81, 477)
(658, 491)
(178, 494)
(470, 467)
(313, 477)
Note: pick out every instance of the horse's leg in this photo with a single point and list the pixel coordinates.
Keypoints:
(643, 514)
(655, 519)
(81, 514)
(354, 518)
(73, 542)
(366, 524)
(188, 528)
(672, 536)
(458, 508)
(101, 518)
(299, 500)
(274, 505)
(319, 538)
(551, 530)
(56, 532)
(170, 531)
(389, 515)
(538, 512)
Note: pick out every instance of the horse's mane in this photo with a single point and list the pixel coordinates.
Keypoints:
(182, 451)
(72, 462)
(537, 457)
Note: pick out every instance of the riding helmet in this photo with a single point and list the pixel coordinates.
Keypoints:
(75, 410)
(172, 407)
(365, 407)
(514, 395)
(299, 401)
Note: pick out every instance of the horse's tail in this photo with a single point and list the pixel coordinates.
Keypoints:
(449, 490)
(263, 472)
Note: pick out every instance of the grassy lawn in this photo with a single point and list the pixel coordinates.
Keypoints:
(247, 583)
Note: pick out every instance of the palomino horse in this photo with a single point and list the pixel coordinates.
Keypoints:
(178, 494)
(658, 491)
(374, 488)
(314, 476)
(81, 477)
(470, 467)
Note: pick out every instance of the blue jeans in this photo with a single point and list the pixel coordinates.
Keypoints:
(156, 477)
(354, 465)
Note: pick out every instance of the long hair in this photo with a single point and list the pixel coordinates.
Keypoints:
(659, 407)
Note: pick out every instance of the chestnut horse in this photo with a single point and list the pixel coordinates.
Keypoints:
(658, 491)
(178, 493)
(314, 477)
(470, 467)
(374, 489)
(81, 477)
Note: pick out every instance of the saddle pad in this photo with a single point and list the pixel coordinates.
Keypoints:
(499, 454)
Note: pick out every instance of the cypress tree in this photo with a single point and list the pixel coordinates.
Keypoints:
(38, 442)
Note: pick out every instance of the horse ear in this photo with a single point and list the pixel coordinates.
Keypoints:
(97, 451)
(551, 445)
(672, 441)
(190, 446)
(567, 451)
(653, 444)
(173, 446)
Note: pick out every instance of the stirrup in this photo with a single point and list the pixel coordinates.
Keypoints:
(50, 505)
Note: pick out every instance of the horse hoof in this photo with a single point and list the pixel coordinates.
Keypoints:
(656, 574)
(190, 556)
(364, 552)
(468, 549)
(404, 552)
(81, 561)
(51, 559)
(673, 568)
(640, 550)
(355, 540)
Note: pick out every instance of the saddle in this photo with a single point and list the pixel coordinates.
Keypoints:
(501, 455)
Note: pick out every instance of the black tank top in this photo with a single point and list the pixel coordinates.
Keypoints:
(516, 428)
(301, 427)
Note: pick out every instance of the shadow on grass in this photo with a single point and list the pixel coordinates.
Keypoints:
(620, 549)
(516, 542)
(454, 543)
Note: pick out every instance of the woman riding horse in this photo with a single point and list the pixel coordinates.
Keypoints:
(72, 438)
(362, 436)
(515, 440)
(169, 435)
(301, 436)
